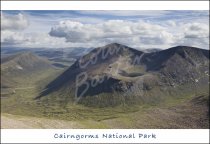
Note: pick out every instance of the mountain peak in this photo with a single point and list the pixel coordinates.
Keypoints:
(108, 52)
(114, 44)
(15, 57)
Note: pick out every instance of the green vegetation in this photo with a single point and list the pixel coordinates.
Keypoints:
(148, 115)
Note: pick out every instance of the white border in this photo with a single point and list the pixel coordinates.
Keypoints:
(161, 136)
(105, 5)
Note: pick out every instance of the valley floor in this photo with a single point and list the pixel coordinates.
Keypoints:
(191, 114)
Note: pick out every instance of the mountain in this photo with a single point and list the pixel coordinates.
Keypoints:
(24, 62)
(99, 62)
(116, 74)
(21, 66)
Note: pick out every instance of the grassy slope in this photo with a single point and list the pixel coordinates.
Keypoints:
(183, 112)
(177, 114)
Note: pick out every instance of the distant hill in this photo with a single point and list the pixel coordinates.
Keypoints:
(25, 62)
(60, 57)
(116, 74)
(21, 65)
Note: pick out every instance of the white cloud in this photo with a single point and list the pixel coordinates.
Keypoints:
(14, 33)
(132, 33)
(171, 23)
(196, 30)
(12, 27)
(36, 40)
(11, 38)
(13, 22)
(77, 32)
(31, 39)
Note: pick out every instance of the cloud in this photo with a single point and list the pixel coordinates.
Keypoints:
(12, 27)
(196, 30)
(13, 22)
(78, 32)
(171, 23)
(11, 38)
(14, 32)
(132, 33)
(36, 40)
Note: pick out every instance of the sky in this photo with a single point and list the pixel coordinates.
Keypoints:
(137, 29)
